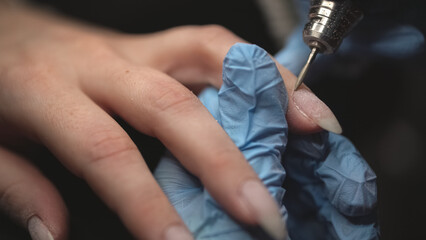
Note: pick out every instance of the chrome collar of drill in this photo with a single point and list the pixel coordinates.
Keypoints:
(329, 22)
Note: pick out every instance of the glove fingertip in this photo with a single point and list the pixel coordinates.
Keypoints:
(350, 182)
(250, 68)
(253, 99)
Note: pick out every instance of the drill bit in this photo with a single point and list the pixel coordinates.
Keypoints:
(302, 74)
(329, 22)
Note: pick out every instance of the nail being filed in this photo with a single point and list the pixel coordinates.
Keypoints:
(302, 74)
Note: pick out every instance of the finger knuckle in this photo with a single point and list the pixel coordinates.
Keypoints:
(105, 147)
(27, 75)
(95, 47)
(222, 162)
(215, 29)
(129, 75)
(200, 32)
(100, 50)
(197, 38)
(9, 194)
(212, 33)
(171, 97)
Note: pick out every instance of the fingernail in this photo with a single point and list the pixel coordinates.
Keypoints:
(37, 229)
(313, 108)
(264, 208)
(178, 232)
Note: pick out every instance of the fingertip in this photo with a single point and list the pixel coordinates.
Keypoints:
(349, 180)
(48, 215)
(38, 230)
(54, 218)
(308, 114)
(330, 124)
(242, 194)
(30, 199)
(250, 68)
(46, 208)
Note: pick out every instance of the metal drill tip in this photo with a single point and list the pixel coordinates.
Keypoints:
(305, 68)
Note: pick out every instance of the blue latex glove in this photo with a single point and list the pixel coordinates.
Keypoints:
(332, 191)
(251, 107)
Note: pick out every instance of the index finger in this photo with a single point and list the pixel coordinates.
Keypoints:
(195, 55)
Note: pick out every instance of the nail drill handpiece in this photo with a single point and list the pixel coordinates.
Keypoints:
(329, 22)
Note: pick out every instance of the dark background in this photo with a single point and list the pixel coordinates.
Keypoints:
(381, 109)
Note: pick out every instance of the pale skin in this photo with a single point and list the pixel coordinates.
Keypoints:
(60, 84)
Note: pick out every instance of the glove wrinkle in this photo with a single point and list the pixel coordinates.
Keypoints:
(334, 186)
(251, 107)
(350, 182)
(331, 191)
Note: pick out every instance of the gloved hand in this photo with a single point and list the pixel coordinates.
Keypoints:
(251, 107)
(331, 190)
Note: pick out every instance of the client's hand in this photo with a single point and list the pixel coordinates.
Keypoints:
(63, 82)
(251, 107)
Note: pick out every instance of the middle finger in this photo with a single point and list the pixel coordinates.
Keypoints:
(160, 106)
